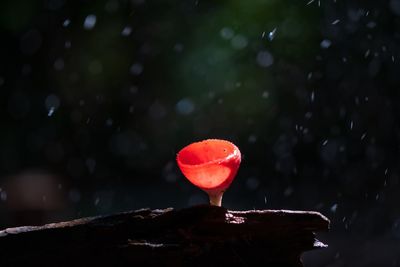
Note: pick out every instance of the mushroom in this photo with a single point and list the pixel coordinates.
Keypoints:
(210, 165)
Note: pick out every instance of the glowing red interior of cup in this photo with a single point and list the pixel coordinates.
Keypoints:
(210, 164)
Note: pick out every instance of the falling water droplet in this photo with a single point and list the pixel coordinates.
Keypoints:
(51, 111)
(334, 208)
(3, 195)
(126, 31)
(363, 136)
(185, 106)
(325, 43)
(227, 33)
(66, 23)
(264, 59)
(90, 22)
(271, 34)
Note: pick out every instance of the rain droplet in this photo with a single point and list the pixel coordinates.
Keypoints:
(325, 43)
(334, 208)
(227, 33)
(271, 34)
(126, 31)
(264, 59)
(136, 69)
(90, 22)
(52, 103)
(239, 41)
(3, 195)
(363, 136)
(51, 112)
(185, 106)
(335, 22)
(66, 23)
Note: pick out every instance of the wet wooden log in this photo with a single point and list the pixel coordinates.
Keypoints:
(196, 236)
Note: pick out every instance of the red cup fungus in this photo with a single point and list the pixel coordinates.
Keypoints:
(210, 165)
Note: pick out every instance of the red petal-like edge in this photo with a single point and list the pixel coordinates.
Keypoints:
(199, 161)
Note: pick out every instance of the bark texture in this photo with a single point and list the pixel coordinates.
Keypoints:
(197, 236)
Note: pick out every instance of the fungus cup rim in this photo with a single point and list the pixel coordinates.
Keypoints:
(234, 154)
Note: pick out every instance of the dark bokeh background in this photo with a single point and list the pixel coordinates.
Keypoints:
(97, 97)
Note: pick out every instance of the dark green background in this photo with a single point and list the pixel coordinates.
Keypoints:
(92, 119)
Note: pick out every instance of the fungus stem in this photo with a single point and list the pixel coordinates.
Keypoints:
(216, 200)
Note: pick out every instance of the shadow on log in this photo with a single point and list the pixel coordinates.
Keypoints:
(196, 236)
